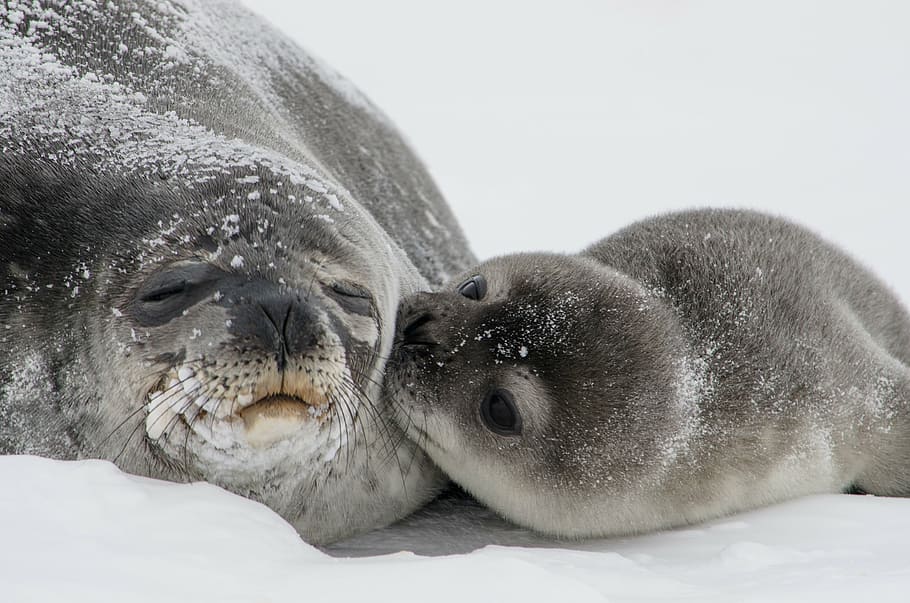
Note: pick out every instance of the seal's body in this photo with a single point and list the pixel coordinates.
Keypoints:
(687, 367)
(204, 235)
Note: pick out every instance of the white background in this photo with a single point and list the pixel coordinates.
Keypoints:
(550, 125)
(83, 532)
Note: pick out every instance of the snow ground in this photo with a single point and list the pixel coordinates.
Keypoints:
(611, 112)
(85, 532)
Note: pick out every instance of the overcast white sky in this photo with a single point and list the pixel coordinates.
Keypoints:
(549, 125)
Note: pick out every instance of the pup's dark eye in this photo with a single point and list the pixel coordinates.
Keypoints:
(474, 288)
(500, 414)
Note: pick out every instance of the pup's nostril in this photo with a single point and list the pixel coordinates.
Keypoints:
(416, 332)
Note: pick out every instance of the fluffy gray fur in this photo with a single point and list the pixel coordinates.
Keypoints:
(689, 366)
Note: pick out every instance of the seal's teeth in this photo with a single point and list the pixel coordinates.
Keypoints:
(185, 373)
(191, 384)
(244, 399)
(173, 383)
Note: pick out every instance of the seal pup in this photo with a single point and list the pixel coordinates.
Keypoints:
(687, 367)
(204, 236)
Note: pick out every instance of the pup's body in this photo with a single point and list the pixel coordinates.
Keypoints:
(687, 367)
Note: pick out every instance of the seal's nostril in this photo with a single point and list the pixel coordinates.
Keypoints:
(276, 322)
(277, 310)
(416, 333)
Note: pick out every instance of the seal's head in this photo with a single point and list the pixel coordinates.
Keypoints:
(234, 332)
(543, 383)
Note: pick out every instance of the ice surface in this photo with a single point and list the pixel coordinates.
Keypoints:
(84, 531)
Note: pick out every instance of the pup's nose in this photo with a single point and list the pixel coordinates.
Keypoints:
(416, 331)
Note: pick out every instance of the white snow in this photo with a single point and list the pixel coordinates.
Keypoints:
(85, 532)
(333, 200)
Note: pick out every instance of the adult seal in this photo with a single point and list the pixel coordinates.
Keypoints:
(687, 367)
(204, 236)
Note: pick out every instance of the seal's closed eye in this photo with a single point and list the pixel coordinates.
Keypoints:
(351, 296)
(165, 291)
(168, 292)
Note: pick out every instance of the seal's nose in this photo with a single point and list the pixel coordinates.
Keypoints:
(277, 322)
(416, 332)
(416, 318)
(286, 325)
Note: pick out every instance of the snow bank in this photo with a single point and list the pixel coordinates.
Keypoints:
(84, 531)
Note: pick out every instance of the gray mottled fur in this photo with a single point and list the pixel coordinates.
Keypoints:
(686, 367)
(136, 136)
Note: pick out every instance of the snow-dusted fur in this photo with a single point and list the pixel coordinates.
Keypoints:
(689, 366)
(195, 215)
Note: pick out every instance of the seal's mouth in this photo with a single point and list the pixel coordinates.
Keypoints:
(261, 413)
(277, 417)
(276, 405)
